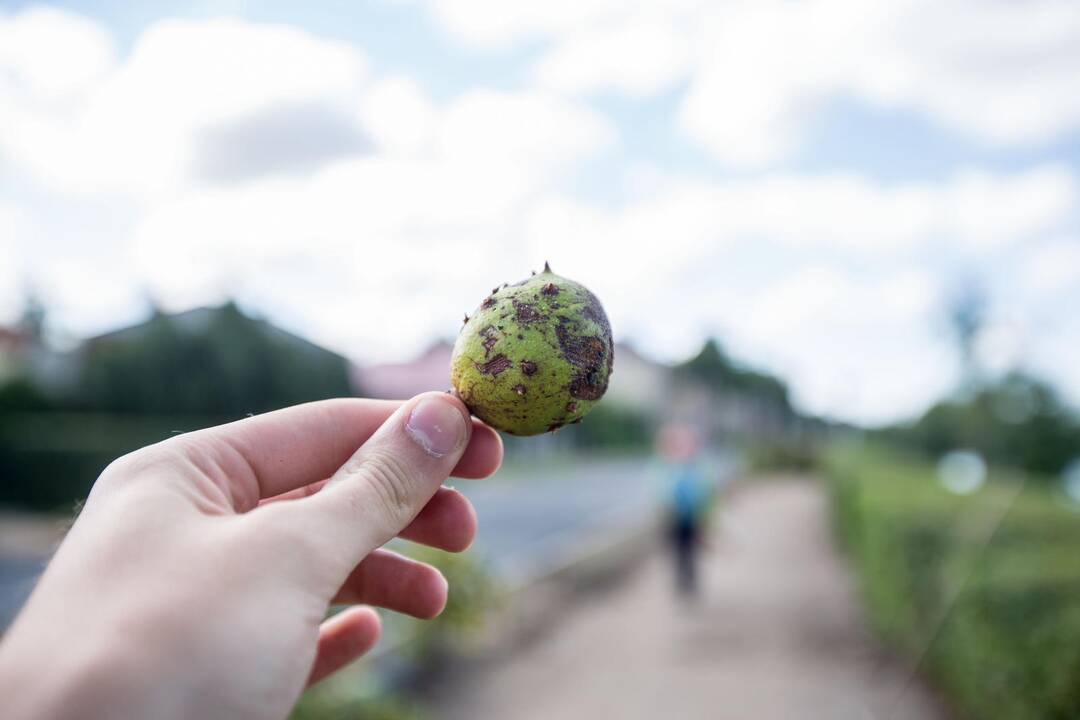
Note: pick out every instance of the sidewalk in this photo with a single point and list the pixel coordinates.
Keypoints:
(776, 634)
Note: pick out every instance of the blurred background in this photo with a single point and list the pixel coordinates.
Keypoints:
(837, 472)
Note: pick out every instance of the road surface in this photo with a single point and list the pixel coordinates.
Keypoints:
(776, 634)
(26, 541)
(532, 521)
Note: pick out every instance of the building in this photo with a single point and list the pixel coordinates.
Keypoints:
(429, 371)
(638, 383)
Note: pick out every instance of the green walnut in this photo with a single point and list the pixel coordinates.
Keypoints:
(534, 356)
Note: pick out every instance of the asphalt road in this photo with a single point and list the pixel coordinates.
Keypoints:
(533, 522)
(17, 578)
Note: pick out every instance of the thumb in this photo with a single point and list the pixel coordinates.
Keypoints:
(382, 487)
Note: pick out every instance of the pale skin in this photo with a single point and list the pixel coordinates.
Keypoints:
(196, 580)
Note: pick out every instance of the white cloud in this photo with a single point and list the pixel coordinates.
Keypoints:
(390, 236)
(638, 56)
(529, 132)
(392, 229)
(30, 65)
(987, 209)
(135, 130)
(493, 24)
(12, 226)
(1053, 267)
(1001, 73)
(1004, 74)
(399, 116)
(853, 346)
(1056, 353)
(856, 330)
(835, 211)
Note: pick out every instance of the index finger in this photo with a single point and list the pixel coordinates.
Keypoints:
(300, 445)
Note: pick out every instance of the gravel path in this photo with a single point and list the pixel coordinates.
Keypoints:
(776, 634)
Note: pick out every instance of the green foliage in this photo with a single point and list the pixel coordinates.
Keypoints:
(227, 365)
(144, 384)
(358, 695)
(1018, 421)
(612, 427)
(778, 456)
(20, 395)
(321, 705)
(50, 459)
(994, 607)
(744, 406)
(472, 595)
(715, 369)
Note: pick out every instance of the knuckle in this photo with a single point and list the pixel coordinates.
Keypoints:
(390, 483)
(133, 468)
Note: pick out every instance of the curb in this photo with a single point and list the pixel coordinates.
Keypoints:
(529, 605)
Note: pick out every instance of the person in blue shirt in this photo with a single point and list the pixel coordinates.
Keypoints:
(688, 494)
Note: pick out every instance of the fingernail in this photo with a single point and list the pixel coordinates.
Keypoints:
(436, 425)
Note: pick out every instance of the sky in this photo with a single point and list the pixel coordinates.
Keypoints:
(810, 182)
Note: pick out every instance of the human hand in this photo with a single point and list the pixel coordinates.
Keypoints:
(196, 580)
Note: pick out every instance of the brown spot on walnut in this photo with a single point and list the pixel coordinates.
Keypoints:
(571, 406)
(550, 289)
(595, 312)
(554, 426)
(496, 365)
(584, 352)
(466, 320)
(488, 302)
(528, 367)
(491, 336)
(520, 390)
(587, 386)
(526, 313)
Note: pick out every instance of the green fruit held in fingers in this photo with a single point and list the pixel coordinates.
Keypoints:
(534, 356)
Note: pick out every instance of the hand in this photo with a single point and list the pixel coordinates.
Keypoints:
(196, 580)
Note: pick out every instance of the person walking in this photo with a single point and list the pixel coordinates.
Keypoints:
(688, 496)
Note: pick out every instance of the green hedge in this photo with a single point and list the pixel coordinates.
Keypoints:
(990, 609)
(49, 460)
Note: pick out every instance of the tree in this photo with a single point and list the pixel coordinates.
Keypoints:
(967, 316)
(1018, 421)
(228, 364)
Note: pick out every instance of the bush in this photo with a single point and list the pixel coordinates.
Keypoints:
(1017, 421)
(782, 456)
(994, 607)
(611, 427)
(472, 596)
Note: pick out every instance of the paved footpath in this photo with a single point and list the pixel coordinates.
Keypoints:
(776, 634)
